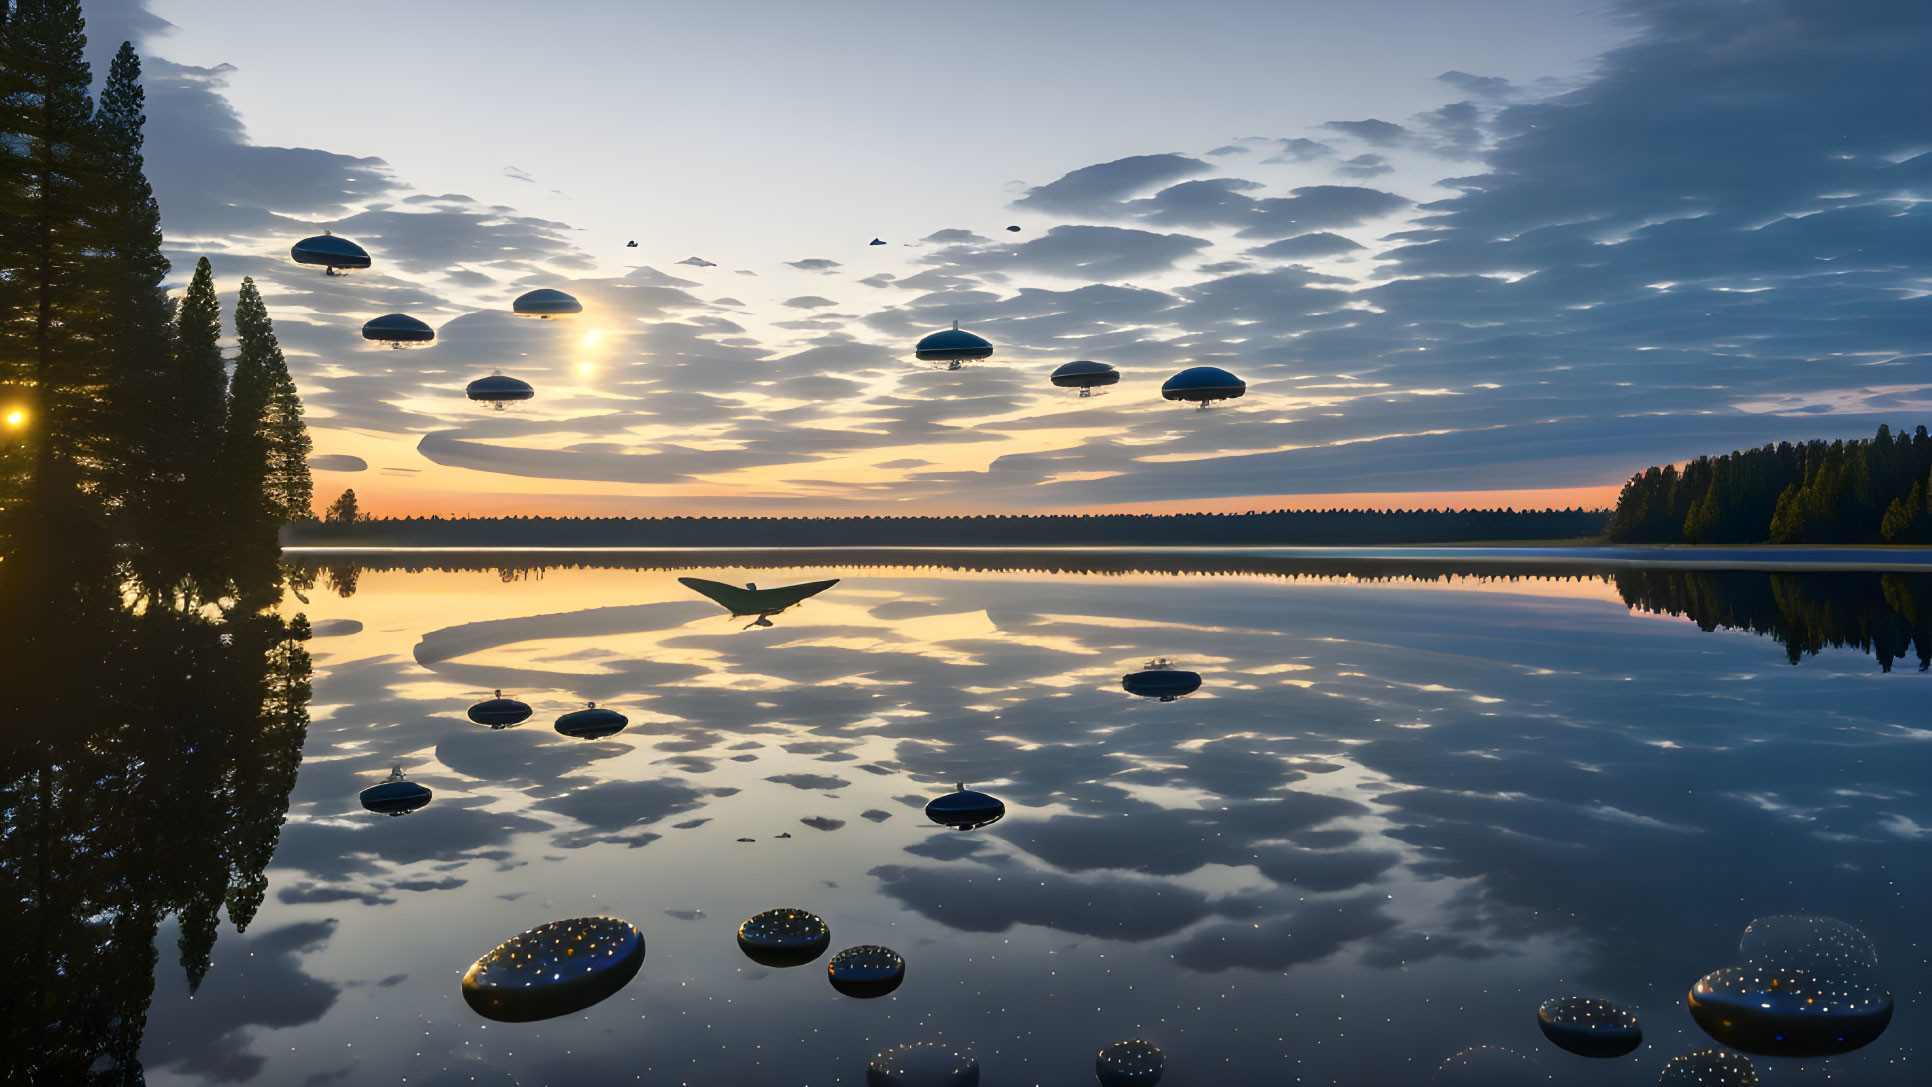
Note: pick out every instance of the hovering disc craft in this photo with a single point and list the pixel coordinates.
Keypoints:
(546, 303)
(952, 348)
(397, 330)
(1203, 385)
(499, 391)
(1084, 375)
(332, 254)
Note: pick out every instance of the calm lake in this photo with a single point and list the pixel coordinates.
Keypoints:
(1406, 806)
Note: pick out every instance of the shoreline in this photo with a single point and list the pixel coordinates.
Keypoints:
(1545, 558)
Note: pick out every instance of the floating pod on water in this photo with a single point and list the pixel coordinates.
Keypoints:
(964, 809)
(1791, 1011)
(500, 712)
(332, 254)
(922, 1064)
(395, 795)
(1709, 1068)
(1589, 1027)
(1161, 680)
(1488, 1066)
(866, 971)
(1801, 940)
(951, 348)
(784, 937)
(546, 302)
(592, 723)
(1132, 1063)
(554, 969)
(397, 329)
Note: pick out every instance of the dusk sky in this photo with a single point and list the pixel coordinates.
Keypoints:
(1486, 252)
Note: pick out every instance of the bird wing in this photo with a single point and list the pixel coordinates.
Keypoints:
(741, 601)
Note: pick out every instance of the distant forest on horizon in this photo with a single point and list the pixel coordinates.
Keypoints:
(986, 530)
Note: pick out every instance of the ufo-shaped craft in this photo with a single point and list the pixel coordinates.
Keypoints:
(1203, 385)
(952, 348)
(546, 302)
(332, 254)
(397, 330)
(1085, 376)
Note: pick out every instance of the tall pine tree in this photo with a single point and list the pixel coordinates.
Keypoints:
(134, 334)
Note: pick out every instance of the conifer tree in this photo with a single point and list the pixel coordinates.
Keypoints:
(286, 485)
(200, 374)
(244, 449)
(49, 157)
(133, 337)
(343, 510)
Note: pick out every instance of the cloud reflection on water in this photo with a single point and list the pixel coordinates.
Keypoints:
(1393, 818)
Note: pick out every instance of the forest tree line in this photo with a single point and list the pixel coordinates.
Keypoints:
(347, 525)
(1861, 491)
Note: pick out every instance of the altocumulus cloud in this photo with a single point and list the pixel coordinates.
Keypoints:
(1699, 246)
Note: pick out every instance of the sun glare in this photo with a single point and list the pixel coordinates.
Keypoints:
(16, 417)
(593, 337)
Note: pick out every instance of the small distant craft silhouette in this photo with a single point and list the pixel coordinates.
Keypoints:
(630, 245)
(697, 262)
(762, 604)
(876, 241)
(1014, 229)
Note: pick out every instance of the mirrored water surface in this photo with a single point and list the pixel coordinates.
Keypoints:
(1404, 808)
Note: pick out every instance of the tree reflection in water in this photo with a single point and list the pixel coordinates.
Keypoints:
(150, 750)
(1886, 614)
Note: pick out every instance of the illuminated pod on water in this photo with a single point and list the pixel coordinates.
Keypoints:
(1589, 1027)
(1132, 1063)
(784, 937)
(1709, 1068)
(1489, 1066)
(554, 969)
(866, 971)
(1800, 940)
(922, 1064)
(1791, 1011)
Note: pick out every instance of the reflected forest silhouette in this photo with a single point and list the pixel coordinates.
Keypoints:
(1887, 615)
(156, 698)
